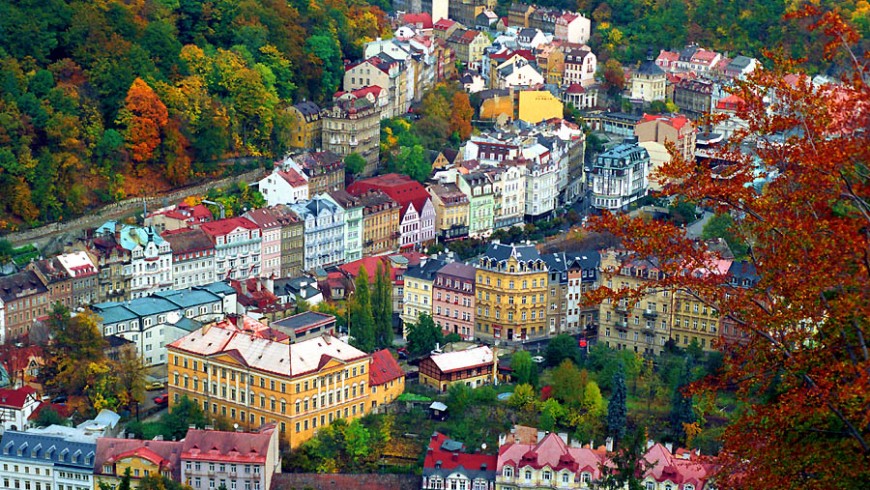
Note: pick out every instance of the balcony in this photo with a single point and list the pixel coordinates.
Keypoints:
(650, 314)
(622, 325)
(620, 308)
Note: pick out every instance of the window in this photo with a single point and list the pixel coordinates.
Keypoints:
(528, 475)
(508, 472)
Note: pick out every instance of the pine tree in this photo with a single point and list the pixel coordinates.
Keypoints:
(616, 409)
(681, 405)
(362, 324)
(382, 308)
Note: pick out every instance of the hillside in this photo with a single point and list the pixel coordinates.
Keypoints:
(101, 100)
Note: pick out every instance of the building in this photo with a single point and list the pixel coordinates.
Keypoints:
(307, 128)
(474, 367)
(481, 203)
(576, 95)
(238, 247)
(306, 325)
(511, 289)
(284, 186)
(648, 82)
(56, 280)
(542, 181)
(518, 14)
(353, 217)
(16, 407)
(353, 126)
(465, 11)
(154, 321)
(741, 66)
(451, 211)
(386, 378)
(324, 170)
(453, 299)
(538, 105)
(324, 232)
(694, 96)
(642, 326)
(381, 218)
(417, 221)
(113, 263)
(580, 65)
(742, 274)
(47, 459)
(551, 62)
(619, 176)
(24, 300)
(469, 46)
(418, 291)
(180, 216)
(193, 257)
(547, 460)
(150, 259)
(449, 465)
(252, 375)
(386, 72)
(82, 271)
(676, 129)
(270, 244)
(292, 241)
(573, 28)
(114, 457)
(509, 185)
(240, 460)
(682, 469)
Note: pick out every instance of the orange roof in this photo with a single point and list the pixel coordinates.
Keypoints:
(384, 368)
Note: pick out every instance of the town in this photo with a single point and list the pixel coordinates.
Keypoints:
(483, 262)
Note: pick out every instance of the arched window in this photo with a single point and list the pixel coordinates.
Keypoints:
(508, 472)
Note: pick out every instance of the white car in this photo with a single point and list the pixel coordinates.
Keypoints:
(538, 359)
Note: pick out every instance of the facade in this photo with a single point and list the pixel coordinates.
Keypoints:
(182, 215)
(676, 129)
(538, 105)
(292, 241)
(324, 170)
(576, 95)
(251, 375)
(114, 457)
(580, 65)
(542, 189)
(547, 461)
(24, 299)
(82, 271)
(418, 291)
(56, 280)
(353, 126)
(240, 460)
(619, 176)
(193, 255)
(417, 214)
(45, 460)
(518, 14)
(453, 299)
(509, 184)
(511, 289)
(324, 232)
(353, 217)
(551, 62)
(474, 367)
(308, 128)
(238, 247)
(573, 28)
(270, 246)
(451, 211)
(449, 465)
(387, 379)
(481, 203)
(380, 223)
(648, 82)
(469, 46)
(383, 71)
(111, 259)
(284, 187)
(16, 406)
(150, 259)
(694, 96)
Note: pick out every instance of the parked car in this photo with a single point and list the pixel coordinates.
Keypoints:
(538, 359)
(162, 399)
(403, 353)
(59, 399)
(155, 385)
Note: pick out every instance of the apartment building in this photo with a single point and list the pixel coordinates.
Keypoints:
(238, 247)
(24, 299)
(47, 460)
(353, 126)
(453, 299)
(193, 257)
(231, 460)
(353, 218)
(619, 176)
(451, 211)
(380, 223)
(648, 82)
(115, 457)
(324, 232)
(418, 291)
(308, 127)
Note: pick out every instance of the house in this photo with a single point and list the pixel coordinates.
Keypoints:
(472, 82)
(573, 28)
(150, 257)
(386, 378)
(544, 19)
(694, 96)
(485, 20)
(292, 240)
(518, 74)
(381, 218)
(284, 186)
(298, 386)
(245, 459)
(115, 457)
(56, 279)
(417, 215)
(518, 14)
(741, 66)
(448, 464)
(16, 407)
(444, 28)
(418, 291)
(619, 176)
(47, 459)
(667, 60)
(729, 106)
(298, 288)
(542, 175)
(676, 129)
(453, 299)
(378, 96)
(474, 367)
(183, 215)
(465, 11)
(546, 459)
(24, 300)
(580, 65)
(530, 38)
(257, 300)
(306, 325)
(496, 103)
(422, 21)
(238, 247)
(353, 126)
(271, 226)
(353, 218)
(193, 257)
(324, 231)
(469, 46)
(478, 187)
(113, 262)
(307, 129)
(550, 60)
(324, 171)
(451, 211)
(648, 82)
(683, 469)
(384, 71)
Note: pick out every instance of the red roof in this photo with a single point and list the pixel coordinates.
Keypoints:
(371, 265)
(444, 24)
(451, 459)
(384, 368)
(401, 188)
(360, 93)
(63, 410)
(730, 103)
(423, 20)
(225, 226)
(15, 398)
(576, 88)
(677, 122)
(230, 447)
(292, 177)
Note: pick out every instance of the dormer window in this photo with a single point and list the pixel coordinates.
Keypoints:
(508, 472)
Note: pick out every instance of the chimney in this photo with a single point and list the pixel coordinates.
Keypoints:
(423, 261)
(609, 444)
(455, 457)
(244, 286)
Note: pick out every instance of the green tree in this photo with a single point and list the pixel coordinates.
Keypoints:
(301, 304)
(459, 397)
(523, 397)
(682, 412)
(354, 163)
(568, 384)
(561, 347)
(424, 335)
(525, 370)
(627, 465)
(617, 412)
(48, 416)
(78, 345)
(551, 413)
(722, 226)
(382, 307)
(181, 416)
(593, 402)
(362, 323)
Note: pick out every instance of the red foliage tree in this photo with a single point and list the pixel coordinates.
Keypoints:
(460, 115)
(802, 377)
(145, 116)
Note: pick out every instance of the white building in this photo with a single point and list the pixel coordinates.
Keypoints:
(573, 28)
(45, 460)
(238, 247)
(324, 232)
(16, 406)
(150, 267)
(542, 179)
(192, 257)
(619, 176)
(580, 66)
(285, 185)
(519, 74)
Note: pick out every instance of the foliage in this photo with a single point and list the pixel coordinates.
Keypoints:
(131, 376)
(523, 397)
(459, 397)
(160, 482)
(48, 416)
(682, 413)
(627, 464)
(424, 335)
(354, 163)
(722, 226)
(617, 413)
(569, 384)
(382, 307)
(682, 212)
(362, 322)
(347, 446)
(76, 355)
(524, 369)
(561, 347)
(802, 373)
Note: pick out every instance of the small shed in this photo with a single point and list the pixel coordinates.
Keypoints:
(438, 411)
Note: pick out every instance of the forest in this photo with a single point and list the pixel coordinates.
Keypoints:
(101, 100)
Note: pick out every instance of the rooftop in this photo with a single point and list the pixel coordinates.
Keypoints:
(384, 368)
(464, 359)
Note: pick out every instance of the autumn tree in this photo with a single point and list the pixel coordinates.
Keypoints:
(144, 116)
(802, 376)
(461, 113)
(568, 384)
(76, 354)
(131, 376)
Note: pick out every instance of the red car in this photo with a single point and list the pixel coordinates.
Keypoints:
(162, 399)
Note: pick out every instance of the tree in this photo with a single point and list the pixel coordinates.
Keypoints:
(78, 350)
(525, 370)
(144, 116)
(561, 347)
(614, 77)
(523, 397)
(461, 113)
(362, 323)
(48, 416)
(682, 412)
(354, 163)
(617, 413)
(459, 397)
(593, 402)
(301, 304)
(181, 416)
(131, 376)
(806, 331)
(424, 335)
(722, 226)
(382, 307)
(627, 466)
(568, 384)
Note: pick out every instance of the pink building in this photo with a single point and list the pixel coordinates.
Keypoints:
(270, 229)
(453, 299)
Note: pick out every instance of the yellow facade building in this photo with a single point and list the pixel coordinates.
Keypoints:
(251, 375)
(536, 106)
(142, 458)
(380, 222)
(307, 128)
(511, 287)
(693, 321)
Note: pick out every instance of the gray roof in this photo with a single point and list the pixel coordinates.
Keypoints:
(739, 62)
(650, 68)
(219, 288)
(188, 324)
(622, 155)
(150, 305)
(426, 271)
(68, 451)
(302, 320)
(499, 252)
(158, 303)
(20, 285)
(189, 297)
(458, 269)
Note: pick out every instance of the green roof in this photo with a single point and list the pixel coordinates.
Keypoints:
(411, 397)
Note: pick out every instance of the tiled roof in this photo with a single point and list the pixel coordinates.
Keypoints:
(424, 19)
(677, 121)
(444, 24)
(77, 264)
(464, 359)
(400, 188)
(186, 240)
(443, 457)
(292, 177)
(458, 269)
(384, 368)
(16, 399)
(229, 447)
(552, 451)
(226, 226)
(308, 109)
(20, 285)
(165, 453)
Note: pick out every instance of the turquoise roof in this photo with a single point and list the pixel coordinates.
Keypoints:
(219, 288)
(189, 297)
(135, 236)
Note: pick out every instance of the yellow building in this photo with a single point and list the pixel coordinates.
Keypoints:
(251, 375)
(693, 321)
(511, 291)
(307, 127)
(536, 106)
(451, 211)
(497, 103)
(418, 281)
(474, 367)
(387, 379)
(551, 62)
(380, 222)
(643, 326)
(142, 458)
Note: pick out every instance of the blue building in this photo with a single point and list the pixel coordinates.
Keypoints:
(47, 459)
